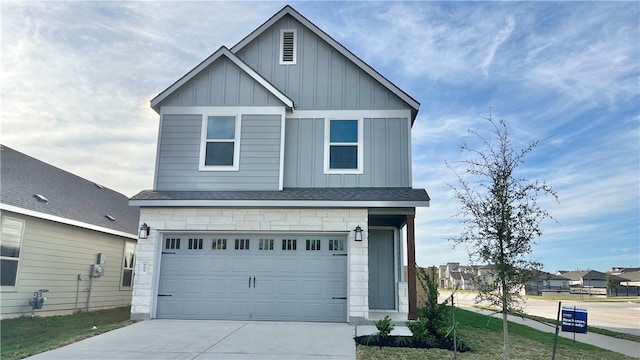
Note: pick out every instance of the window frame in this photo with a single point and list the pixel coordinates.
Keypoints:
(10, 258)
(204, 141)
(328, 144)
(281, 60)
(131, 267)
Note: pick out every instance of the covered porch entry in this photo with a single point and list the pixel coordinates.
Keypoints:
(391, 235)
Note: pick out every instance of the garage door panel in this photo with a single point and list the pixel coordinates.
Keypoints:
(219, 264)
(294, 282)
(169, 286)
(193, 286)
(215, 309)
(311, 287)
(170, 264)
(190, 308)
(287, 265)
(286, 287)
(241, 265)
(264, 286)
(336, 288)
(195, 265)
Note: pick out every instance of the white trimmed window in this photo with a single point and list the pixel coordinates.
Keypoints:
(220, 149)
(343, 146)
(127, 265)
(288, 46)
(10, 243)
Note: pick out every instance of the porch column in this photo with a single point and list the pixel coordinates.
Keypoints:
(411, 268)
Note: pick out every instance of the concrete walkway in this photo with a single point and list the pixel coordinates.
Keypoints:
(626, 347)
(209, 339)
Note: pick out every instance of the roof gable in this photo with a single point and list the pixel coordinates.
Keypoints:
(64, 197)
(288, 10)
(222, 52)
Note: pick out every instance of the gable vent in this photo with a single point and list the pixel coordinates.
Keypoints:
(41, 198)
(110, 217)
(288, 47)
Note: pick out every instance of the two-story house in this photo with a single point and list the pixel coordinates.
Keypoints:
(283, 186)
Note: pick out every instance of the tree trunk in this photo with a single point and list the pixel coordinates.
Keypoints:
(505, 322)
(505, 331)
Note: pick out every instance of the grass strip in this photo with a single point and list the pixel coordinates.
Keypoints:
(26, 336)
(484, 333)
(552, 322)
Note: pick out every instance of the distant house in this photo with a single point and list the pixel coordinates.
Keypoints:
(632, 274)
(283, 187)
(462, 280)
(544, 281)
(58, 230)
(591, 279)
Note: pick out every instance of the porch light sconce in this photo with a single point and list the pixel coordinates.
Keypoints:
(358, 231)
(144, 231)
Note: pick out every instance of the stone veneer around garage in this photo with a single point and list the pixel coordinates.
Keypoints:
(254, 220)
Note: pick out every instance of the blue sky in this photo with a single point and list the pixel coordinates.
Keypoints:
(76, 79)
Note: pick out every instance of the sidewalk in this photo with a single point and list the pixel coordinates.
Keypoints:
(626, 347)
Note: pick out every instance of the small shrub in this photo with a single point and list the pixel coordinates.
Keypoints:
(384, 327)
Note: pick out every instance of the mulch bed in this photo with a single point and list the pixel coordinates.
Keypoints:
(406, 342)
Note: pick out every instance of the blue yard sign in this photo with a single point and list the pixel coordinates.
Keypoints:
(574, 319)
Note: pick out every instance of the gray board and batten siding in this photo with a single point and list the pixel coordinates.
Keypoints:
(179, 155)
(222, 83)
(322, 78)
(387, 162)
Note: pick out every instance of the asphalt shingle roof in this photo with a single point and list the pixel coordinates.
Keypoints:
(69, 196)
(294, 194)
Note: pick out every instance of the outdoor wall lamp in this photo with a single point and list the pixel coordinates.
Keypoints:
(144, 231)
(358, 231)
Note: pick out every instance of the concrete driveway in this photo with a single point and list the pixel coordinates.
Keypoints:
(212, 339)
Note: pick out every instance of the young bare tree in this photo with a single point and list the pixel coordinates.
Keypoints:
(501, 217)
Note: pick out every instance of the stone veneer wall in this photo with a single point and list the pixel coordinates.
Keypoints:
(251, 219)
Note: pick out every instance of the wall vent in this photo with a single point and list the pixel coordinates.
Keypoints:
(288, 47)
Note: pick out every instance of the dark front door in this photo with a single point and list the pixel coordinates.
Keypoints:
(381, 284)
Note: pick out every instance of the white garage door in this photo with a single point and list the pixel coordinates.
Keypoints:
(253, 277)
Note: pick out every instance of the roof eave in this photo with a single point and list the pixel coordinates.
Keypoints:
(278, 203)
(222, 51)
(288, 10)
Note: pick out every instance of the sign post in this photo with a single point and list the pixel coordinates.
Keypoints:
(574, 320)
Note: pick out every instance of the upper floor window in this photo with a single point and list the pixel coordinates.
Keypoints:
(288, 46)
(10, 243)
(220, 144)
(343, 147)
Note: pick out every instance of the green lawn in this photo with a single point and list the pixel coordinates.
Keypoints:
(25, 336)
(486, 339)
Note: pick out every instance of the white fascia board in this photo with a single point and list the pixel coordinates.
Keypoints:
(288, 10)
(336, 114)
(242, 110)
(223, 51)
(66, 221)
(278, 203)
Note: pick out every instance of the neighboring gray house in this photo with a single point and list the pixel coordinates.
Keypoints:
(54, 225)
(591, 279)
(546, 282)
(283, 186)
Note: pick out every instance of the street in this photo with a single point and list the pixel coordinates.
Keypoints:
(620, 316)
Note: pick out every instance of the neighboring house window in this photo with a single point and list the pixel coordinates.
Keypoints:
(288, 46)
(343, 146)
(127, 264)
(12, 232)
(221, 143)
